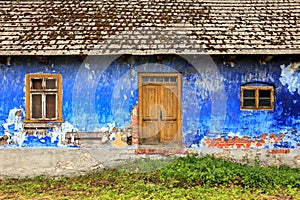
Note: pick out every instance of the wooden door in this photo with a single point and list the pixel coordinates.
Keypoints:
(168, 114)
(150, 114)
(159, 108)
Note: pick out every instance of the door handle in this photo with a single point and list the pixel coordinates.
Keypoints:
(160, 115)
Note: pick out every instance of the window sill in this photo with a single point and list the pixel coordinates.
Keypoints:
(262, 109)
(42, 121)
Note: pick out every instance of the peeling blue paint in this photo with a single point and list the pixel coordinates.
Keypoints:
(290, 76)
(103, 90)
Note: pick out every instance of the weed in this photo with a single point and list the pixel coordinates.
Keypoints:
(191, 177)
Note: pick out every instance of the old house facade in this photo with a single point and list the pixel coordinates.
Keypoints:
(180, 73)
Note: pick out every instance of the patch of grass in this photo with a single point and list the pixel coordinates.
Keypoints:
(210, 171)
(184, 178)
(146, 165)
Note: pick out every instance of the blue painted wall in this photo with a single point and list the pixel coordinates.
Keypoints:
(102, 90)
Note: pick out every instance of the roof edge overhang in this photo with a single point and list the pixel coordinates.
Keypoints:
(150, 52)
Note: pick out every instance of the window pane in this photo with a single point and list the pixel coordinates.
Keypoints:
(249, 93)
(50, 83)
(173, 79)
(37, 83)
(159, 79)
(264, 103)
(249, 103)
(146, 79)
(264, 93)
(36, 106)
(50, 106)
(154, 79)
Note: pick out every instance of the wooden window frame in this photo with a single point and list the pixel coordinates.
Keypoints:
(257, 98)
(57, 92)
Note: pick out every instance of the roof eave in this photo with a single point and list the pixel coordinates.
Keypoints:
(151, 52)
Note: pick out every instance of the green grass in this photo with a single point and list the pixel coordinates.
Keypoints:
(182, 178)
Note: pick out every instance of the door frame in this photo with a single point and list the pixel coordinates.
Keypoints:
(178, 138)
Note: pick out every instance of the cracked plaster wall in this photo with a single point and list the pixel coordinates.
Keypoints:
(100, 92)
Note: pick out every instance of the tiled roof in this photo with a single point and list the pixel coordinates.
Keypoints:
(68, 27)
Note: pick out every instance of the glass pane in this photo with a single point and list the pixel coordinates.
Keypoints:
(154, 79)
(173, 79)
(37, 83)
(249, 103)
(249, 93)
(145, 79)
(36, 106)
(167, 79)
(264, 93)
(50, 83)
(50, 106)
(160, 79)
(264, 103)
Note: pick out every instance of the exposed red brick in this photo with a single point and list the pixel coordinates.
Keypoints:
(264, 135)
(135, 141)
(259, 144)
(280, 151)
(135, 125)
(161, 151)
(240, 145)
(248, 144)
(244, 142)
(221, 145)
(182, 151)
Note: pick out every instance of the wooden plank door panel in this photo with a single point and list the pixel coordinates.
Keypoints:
(168, 132)
(169, 114)
(150, 102)
(150, 132)
(169, 102)
(150, 114)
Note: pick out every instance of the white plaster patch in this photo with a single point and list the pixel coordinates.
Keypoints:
(14, 118)
(290, 77)
(102, 129)
(68, 127)
(131, 92)
(87, 65)
(14, 129)
(19, 137)
(111, 125)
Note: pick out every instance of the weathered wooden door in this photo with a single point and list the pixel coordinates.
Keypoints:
(159, 108)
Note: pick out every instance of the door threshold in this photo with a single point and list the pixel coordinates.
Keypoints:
(159, 146)
(162, 150)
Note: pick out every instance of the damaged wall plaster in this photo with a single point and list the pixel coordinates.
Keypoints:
(290, 77)
(101, 92)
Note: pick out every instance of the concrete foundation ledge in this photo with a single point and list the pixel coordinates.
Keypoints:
(55, 162)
